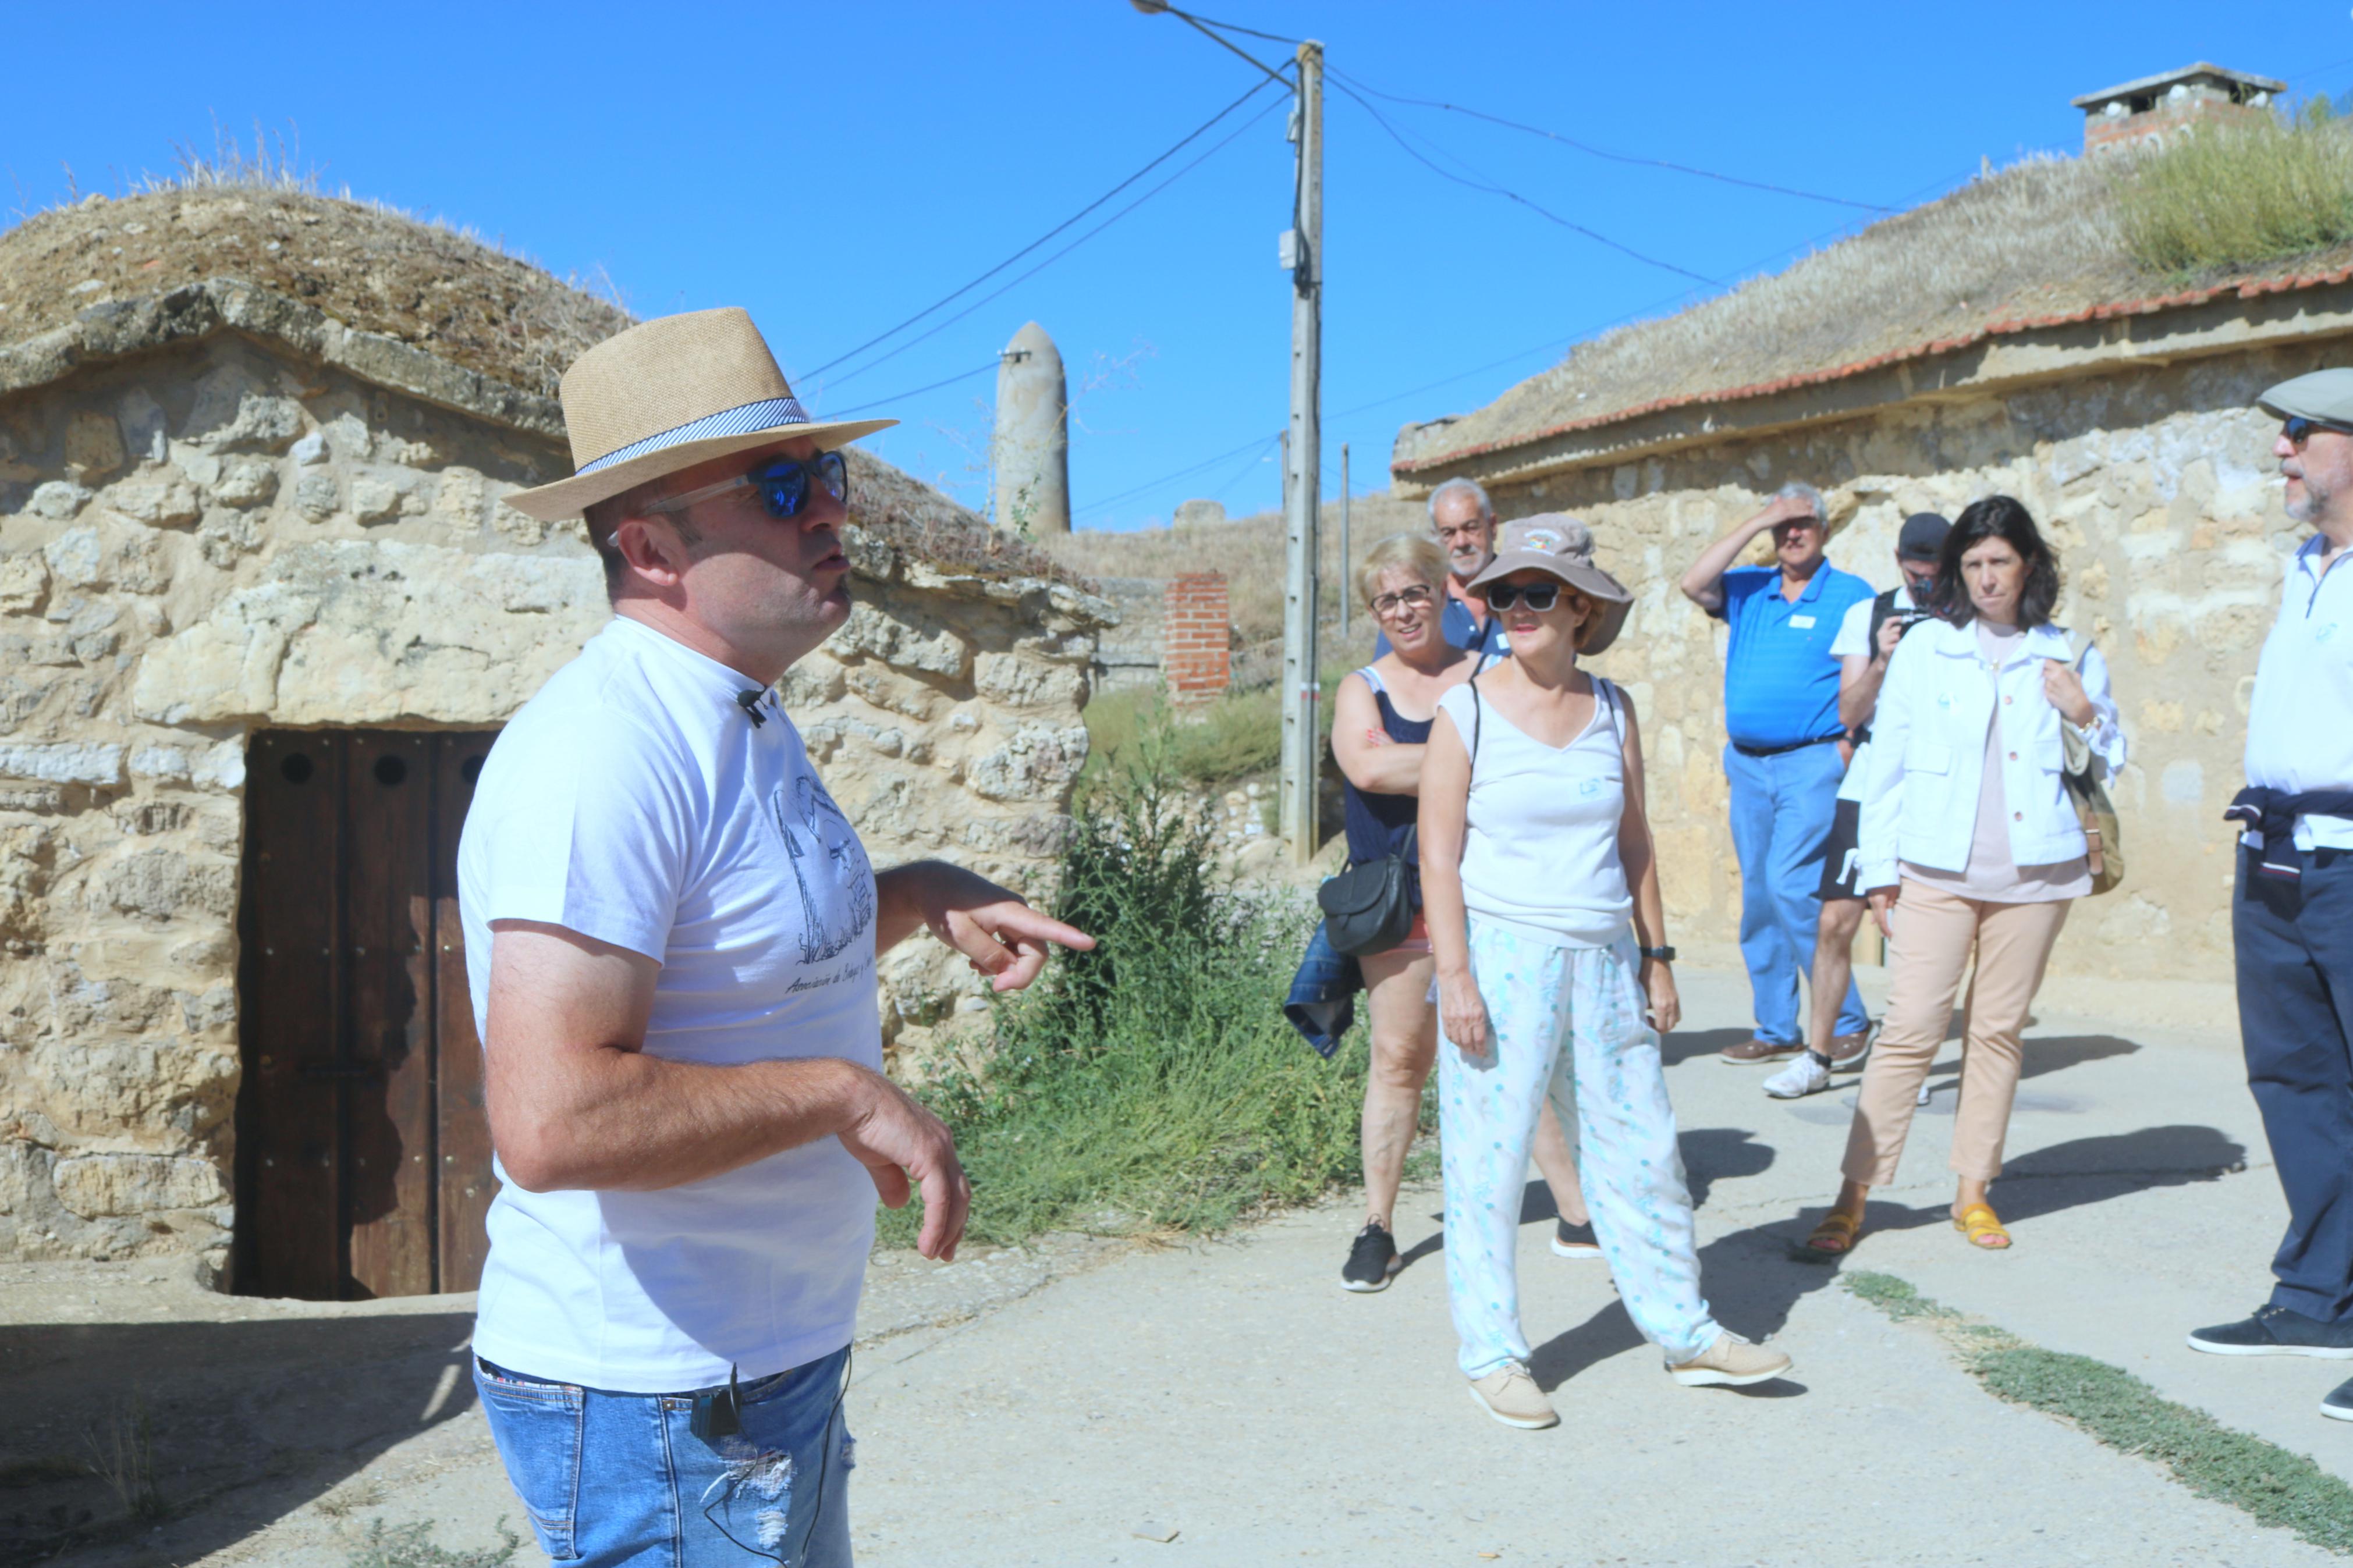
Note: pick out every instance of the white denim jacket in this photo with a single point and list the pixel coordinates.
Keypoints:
(1927, 751)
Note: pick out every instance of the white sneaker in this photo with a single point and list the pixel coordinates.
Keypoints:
(1921, 1098)
(1805, 1075)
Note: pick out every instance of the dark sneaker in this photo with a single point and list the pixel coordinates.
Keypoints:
(2338, 1405)
(2277, 1331)
(1574, 1240)
(1371, 1260)
(1751, 1053)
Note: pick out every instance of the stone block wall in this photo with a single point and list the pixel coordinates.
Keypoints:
(220, 535)
(1197, 652)
(2159, 489)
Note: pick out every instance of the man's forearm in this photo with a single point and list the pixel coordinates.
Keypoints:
(1702, 584)
(621, 1119)
(1860, 696)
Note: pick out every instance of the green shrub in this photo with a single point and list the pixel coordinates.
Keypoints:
(2222, 200)
(1232, 738)
(1151, 1084)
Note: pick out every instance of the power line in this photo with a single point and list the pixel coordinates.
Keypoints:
(1612, 157)
(1022, 277)
(1483, 183)
(1190, 137)
(1253, 446)
(911, 391)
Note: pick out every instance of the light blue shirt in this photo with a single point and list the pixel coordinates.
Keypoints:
(2300, 722)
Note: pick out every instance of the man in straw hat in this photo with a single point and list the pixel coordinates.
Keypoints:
(672, 932)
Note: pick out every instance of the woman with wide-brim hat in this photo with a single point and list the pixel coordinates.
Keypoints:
(1541, 895)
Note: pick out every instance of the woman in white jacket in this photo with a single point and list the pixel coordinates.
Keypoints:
(1971, 844)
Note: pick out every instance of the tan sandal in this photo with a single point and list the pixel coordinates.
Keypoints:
(1836, 1234)
(1979, 1223)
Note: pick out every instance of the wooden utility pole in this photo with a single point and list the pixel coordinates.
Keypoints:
(1347, 574)
(1302, 249)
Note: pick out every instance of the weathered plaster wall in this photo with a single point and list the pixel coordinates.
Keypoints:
(224, 534)
(2158, 487)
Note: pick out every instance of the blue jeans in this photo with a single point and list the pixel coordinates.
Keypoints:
(1781, 811)
(608, 1478)
(2294, 944)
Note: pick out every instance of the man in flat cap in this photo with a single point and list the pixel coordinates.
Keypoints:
(2292, 915)
(670, 935)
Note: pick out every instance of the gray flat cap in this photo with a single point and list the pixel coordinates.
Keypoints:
(2325, 395)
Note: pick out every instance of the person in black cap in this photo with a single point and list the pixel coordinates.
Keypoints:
(2292, 915)
(1866, 637)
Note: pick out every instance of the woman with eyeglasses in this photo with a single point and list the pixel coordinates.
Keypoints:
(1380, 724)
(1542, 893)
(1971, 847)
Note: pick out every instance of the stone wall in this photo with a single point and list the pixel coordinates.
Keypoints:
(223, 532)
(2156, 486)
(1197, 654)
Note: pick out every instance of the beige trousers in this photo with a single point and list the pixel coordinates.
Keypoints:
(1935, 932)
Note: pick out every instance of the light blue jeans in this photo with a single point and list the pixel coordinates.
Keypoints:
(610, 1478)
(1781, 811)
(1609, 1092)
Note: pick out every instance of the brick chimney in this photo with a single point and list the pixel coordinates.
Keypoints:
(2156, 107)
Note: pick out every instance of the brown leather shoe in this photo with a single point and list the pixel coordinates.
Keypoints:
(1754, 1052)
(1847, 1051)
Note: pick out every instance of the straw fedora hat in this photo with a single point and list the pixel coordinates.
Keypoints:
(1558, 543)
(669, 394)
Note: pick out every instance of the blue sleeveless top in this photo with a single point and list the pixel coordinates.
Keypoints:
(1377, 824)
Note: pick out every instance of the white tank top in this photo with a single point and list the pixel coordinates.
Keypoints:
(1540, 849)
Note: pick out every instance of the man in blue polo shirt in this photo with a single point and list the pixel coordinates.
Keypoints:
(1463, 519)
(1788, 753)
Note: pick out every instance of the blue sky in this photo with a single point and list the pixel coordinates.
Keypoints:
(837, 169)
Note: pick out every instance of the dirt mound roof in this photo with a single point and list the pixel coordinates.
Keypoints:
(368, 267)
(2037, 243)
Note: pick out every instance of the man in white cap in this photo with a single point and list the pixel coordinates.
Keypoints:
(672, 932)
(2292, 915)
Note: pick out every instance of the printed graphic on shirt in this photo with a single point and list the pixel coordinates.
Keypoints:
(836, 885)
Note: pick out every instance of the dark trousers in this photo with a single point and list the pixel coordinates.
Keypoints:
(2294, 943)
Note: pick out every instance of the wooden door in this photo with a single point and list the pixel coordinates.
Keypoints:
(364, 1156)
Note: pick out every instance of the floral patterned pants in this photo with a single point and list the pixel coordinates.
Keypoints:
(1567, 1021)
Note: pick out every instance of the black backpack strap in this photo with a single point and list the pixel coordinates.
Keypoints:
(1882, 607)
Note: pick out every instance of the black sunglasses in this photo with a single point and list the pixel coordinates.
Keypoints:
(1537, 596)
(782, 484)
(2298, 430)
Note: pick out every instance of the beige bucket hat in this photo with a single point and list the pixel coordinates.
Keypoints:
(1558, 543)
(669, 394)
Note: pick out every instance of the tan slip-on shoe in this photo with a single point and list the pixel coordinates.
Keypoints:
(1847, 1052)
(1510, 1395)
(1732, 1363)
(1751, 1052)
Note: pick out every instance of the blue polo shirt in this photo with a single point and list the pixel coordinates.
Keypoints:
(1780, 683)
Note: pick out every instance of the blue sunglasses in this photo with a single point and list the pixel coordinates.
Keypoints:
(782, 484)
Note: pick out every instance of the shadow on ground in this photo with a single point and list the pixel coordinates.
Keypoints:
(1754, 1278)
(242, 1422)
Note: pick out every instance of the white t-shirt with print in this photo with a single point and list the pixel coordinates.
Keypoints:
(634, 801)
(1853, 641)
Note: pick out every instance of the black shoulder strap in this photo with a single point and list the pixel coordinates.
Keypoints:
(1478, 714)
(1882, 608)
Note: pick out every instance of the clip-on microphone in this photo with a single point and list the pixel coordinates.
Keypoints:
(750, 703)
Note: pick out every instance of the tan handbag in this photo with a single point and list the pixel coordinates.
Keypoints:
(2085, 775)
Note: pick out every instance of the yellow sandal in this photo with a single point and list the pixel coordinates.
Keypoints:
(1983, 1228)
(1838, 1229)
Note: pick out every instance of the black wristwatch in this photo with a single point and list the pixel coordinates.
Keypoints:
(1663, 954)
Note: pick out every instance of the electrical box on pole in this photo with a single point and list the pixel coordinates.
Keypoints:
(1303, 253)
